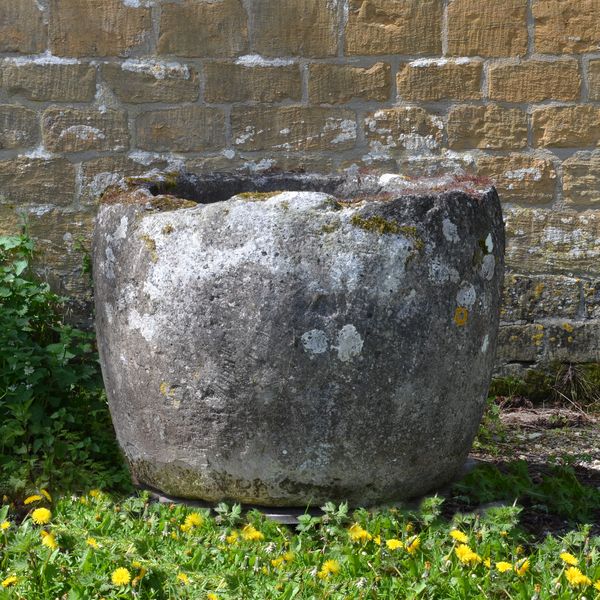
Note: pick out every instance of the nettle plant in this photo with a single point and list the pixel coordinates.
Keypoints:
(55, 424)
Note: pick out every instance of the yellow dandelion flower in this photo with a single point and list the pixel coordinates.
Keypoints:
(92, 543)
(394, 544)
(487, 562)
(466, 555)
(41, 516)
(519, 550)
(413, 544)
(194, 520)
(569, 559)
(48, 540)
(377, 540)
(330, 567)
(120, 576)
(522, 567)
(232, 538)
(576, 578)
(46, 495)
(289, 556)
(503, 566)
(597, 585)
(277, 562)
(11, 580)
(211, 596)
(95, 493)
(185, 527)
(358, 534)
(173, 535)
(4, 525)
(32, 499)
(459, 536)
(252, 534)
(183, 578)
(503, 533)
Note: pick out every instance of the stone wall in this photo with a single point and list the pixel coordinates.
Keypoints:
(508, 89)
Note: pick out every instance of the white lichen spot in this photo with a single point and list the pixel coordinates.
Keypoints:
(414, 142)
(85, 133)
(256, 60)
(489, 243)
(145, 324)
(450, 231)
(349, 343)
(262, 165)
(314, 342)
(485, 344)
(39, 152)
(346, 128)
(441, 272)
(230, 154)
(156, 69)
(285, 131)
(522, 174)
(488, 266)
(138, 3)
(466, 296)
(248, 134)
(121, 230)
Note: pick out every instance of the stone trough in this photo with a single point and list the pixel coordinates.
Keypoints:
(289, 339)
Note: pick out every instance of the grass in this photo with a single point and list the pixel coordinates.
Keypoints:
(97, 546)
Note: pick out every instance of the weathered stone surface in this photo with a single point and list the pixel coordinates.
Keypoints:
(594, 80)
(100, 173)
(394, 27)
(22, 27)
(19, 126)
(553, 241)
(186, 129)
(203, 311)
(77, 130)
(228, 82)
(487, 127)
(591, 298)
(42, 80)
(335, 84)
(138, 81)
(534, 297)
(566, 26)
(569, 341)
(496, 28)
(520, 178)
(406, 130)
(37, 181)
(96, 27)
(289, 27)
(581, 179)
(286, 161)
(535, 81)
(216, 28)
(440, 79)
(293, 128)
(566, 126)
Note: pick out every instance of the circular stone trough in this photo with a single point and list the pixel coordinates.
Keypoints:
(290, 339)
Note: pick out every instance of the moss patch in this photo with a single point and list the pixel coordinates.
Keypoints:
(376, 224)
(257, 196)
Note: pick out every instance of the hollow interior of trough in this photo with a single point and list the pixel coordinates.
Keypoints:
(217, 187)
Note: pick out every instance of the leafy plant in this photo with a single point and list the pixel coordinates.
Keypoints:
(55, 423)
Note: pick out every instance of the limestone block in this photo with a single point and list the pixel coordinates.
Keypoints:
(41, 79)
(251, 81)
(37, 181)
(489, 29)
(78, 130)
(289, 27)
(216, 28)
(405, 130)
(394, 27)
(520, 178)
(566, 126)
(22, 27)
(293, 128)
(336, 84)
(553, 241)
(594, 80)
(440, 79)
(184, 129)
(139, 81)
(19, 126)
(567, 26)
(535, 81)
(486, 127)
(97, 27)
(581, 179)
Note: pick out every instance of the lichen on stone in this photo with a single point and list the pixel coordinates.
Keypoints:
(376, 224)
(150, 246)
(257, 196)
